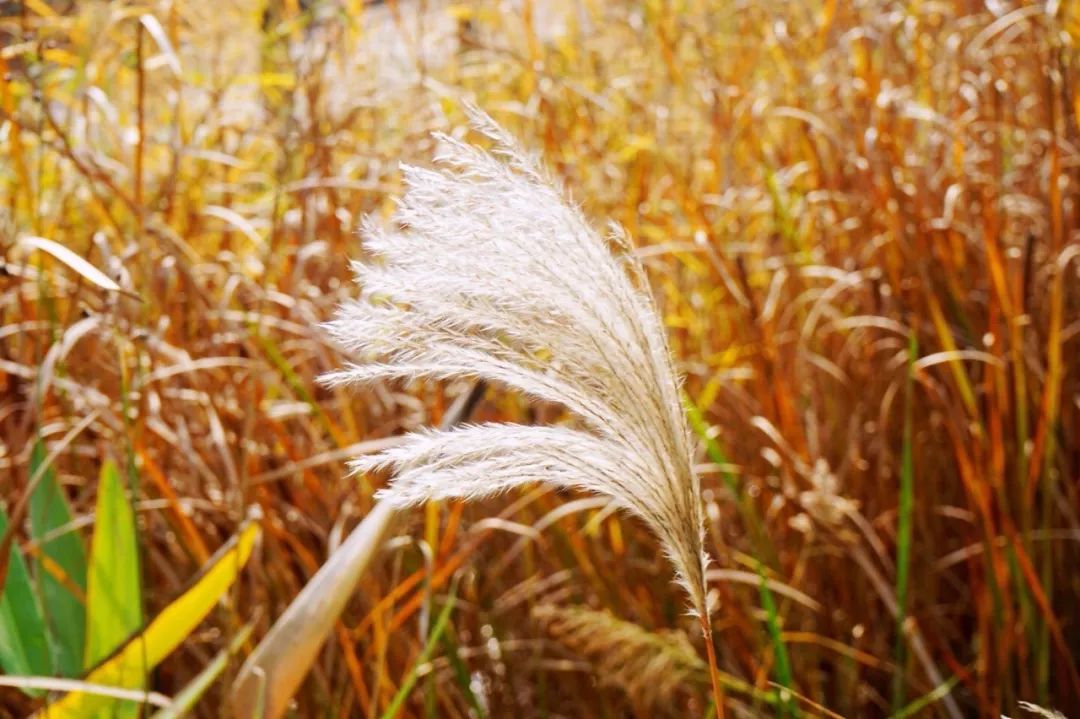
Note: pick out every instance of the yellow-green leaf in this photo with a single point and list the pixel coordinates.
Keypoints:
(114, 591)
(141, 653)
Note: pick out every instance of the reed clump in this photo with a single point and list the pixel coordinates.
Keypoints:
(857, 221)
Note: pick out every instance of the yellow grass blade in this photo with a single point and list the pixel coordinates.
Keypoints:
(147, 649)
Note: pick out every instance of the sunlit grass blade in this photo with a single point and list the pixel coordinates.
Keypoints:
(106, 692)
(72, 260)
(59, 549)
(275, 669)
(114, 591)
(114, 587)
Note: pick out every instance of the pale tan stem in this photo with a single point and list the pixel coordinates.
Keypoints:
(284, 656)
(272, 674)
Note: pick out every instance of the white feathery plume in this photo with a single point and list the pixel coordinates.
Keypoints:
(490, 273)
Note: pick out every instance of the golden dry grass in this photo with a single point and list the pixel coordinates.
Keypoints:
(830, 197)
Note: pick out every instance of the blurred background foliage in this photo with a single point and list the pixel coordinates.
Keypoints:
(861, 221)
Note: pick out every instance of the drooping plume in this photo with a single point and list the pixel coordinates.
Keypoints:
(488, 272)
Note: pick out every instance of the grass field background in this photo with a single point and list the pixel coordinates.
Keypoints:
(861, 222)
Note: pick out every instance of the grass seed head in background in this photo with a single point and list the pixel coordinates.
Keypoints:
(653, 668)
(491, 273)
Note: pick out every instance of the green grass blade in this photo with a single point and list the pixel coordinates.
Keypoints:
(293, 382)
(425, 654)
(114, 594)
(783, 662)
(934, 695)
(759, 537)
(24, 648)
(62, 555)
(904, 522)
(461, 673)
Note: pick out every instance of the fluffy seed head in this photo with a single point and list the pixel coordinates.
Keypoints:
(488, 272)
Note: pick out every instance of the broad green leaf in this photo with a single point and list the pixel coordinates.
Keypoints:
(60, 568)
(145, 650)
(24, 648)
(114, 592)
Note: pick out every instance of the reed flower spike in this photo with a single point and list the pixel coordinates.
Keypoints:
(489, 272)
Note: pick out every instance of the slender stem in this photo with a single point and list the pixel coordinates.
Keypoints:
(714, 673)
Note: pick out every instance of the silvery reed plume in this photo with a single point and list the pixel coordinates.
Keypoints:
(488, 272)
